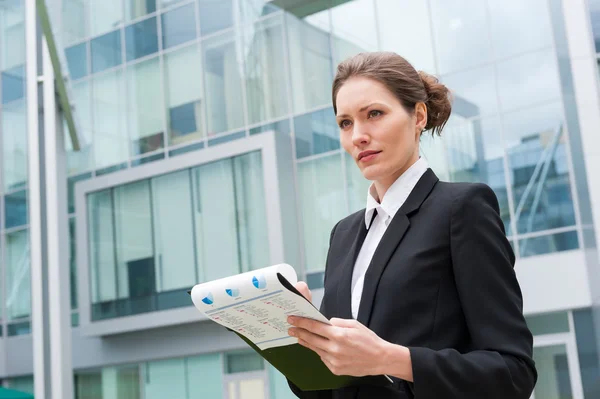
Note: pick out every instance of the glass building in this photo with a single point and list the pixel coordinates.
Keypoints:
(207, 146)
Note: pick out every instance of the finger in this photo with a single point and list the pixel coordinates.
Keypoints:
(303, 288)
(314, 340)
(345, 323)
(314, 326)
(323, 354)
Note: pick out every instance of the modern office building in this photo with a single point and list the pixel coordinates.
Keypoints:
(196, 139)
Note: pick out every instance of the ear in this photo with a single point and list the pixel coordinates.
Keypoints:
(420, 116)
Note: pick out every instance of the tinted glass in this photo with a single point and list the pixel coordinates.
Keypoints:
(141, 39)
(106, 51)
(179, 26)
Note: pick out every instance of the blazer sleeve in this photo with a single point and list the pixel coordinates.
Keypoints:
(500, 365)
(316, 394)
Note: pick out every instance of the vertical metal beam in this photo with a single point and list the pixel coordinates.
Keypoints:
(35, 207)
(57, 236)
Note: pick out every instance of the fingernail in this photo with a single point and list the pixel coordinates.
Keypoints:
(291, 319)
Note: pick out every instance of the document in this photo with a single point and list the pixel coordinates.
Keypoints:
(256, 304)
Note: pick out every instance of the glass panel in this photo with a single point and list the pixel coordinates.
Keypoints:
(594, 6)
(252, 389)
(23, 384)
(144, 107)
(88, 385)
(103, 279)
(215, 15)
(282, 127)
(243, 362)
(358, 186)
(18, 285)
(165, 379)
(474, 92)
(73, 263)
(434, 150)
(476, 154)
(265, 79)
(12, 33)
(254, 9)
(105, 15)
(529, 23)
(310, 63)
(186, 149)
(516, 88)
(547, 244)
(110, 137)
(554, 379)
(399, 20)
(141, 39)
(222, 81)
(240, 241)
(346, 16)
(168, 3)
(173, 231)
(316, 133)
(539, 172)
(77, 60)
(204, 376)
(133, 233)
(127, 383)
(225, 138)
(323, 204)
(278, 384)
(74, 26)
(179, 26)
(184, 95)
(148, 159)
(13, 84)
(14, 145)
(549, 323)
(587, 349)
(459, 42)
(15, 208)
(138, 8)
(106, 51)
(82, 160)
(23, 328)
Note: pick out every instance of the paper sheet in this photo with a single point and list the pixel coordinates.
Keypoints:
(256, 304)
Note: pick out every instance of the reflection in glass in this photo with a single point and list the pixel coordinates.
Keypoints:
(14, 145)
(13, 84)
(459, 42)
(547, 244)
(224, 97)
(18, 285)
(15, 209)
(536, 143)
(554, 379)
(12, 34)
(323, 201)
(106, 51)
(184, 95)
(519, 26)
(215, 15)
(405, 29)
(82, 160)
(144, 107)
(265, 79)
(517, 89)
(110, 128)
(141, 39)
(474, 92)
(135, 9)
(316, 133)
(178, 26)
(310, 64)
(74, 26)
(476, 154)
(77, 60)
(251, 10)
(346, 17)
(105, 15)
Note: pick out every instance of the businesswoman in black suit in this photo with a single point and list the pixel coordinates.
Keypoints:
(420, 284)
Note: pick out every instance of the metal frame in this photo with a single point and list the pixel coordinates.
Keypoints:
(265, 142)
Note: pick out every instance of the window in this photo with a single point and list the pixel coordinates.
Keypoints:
(105, 15)
(13, 84)
(215, 15)
(345, 17)
(141, 39)
(74, 26)
(18, 293)
(135, 9)
(106, 51)
(179, 26)
(14, 145)
(316, 133)
(243, 362)
(12, 34)
(82, 160)
(15, 207)
(77, 60)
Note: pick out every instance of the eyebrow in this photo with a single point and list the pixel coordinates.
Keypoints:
(360, 110)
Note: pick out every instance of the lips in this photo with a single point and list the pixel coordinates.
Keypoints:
(365, 154)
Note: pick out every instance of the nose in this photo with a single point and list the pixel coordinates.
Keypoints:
(360, 135)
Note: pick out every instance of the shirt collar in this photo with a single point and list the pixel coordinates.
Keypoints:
(397, 194)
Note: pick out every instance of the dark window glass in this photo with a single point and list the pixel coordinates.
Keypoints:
(77, 60)
(15, 206)
(106, 51)
(141, 39)
(13, 84)
(316, 133)
(178, 26)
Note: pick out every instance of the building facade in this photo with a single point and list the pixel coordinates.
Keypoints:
(208, 147)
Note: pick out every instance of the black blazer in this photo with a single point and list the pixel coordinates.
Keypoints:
(441, 283)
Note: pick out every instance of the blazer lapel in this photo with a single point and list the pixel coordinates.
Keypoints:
(389, 242)
(344, 287)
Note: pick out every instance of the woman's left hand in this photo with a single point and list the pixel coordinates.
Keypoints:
(346, 347)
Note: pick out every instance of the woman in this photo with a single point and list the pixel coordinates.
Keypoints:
(420, 284)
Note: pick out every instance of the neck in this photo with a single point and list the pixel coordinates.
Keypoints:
(384, 184)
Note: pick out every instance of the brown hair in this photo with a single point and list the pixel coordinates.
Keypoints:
(401, 78)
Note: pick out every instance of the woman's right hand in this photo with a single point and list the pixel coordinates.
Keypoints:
(303, 288)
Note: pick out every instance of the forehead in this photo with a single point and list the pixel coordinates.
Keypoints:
(358, 92)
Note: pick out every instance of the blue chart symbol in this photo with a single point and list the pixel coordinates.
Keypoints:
(232, 292)
(259, 282)
(208, 299)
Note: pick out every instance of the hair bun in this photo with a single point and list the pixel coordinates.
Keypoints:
(439, 103)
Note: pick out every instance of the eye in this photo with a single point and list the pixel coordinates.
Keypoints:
(344, 124)
(375, 113)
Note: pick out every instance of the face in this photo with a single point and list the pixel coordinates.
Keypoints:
(377, 131)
